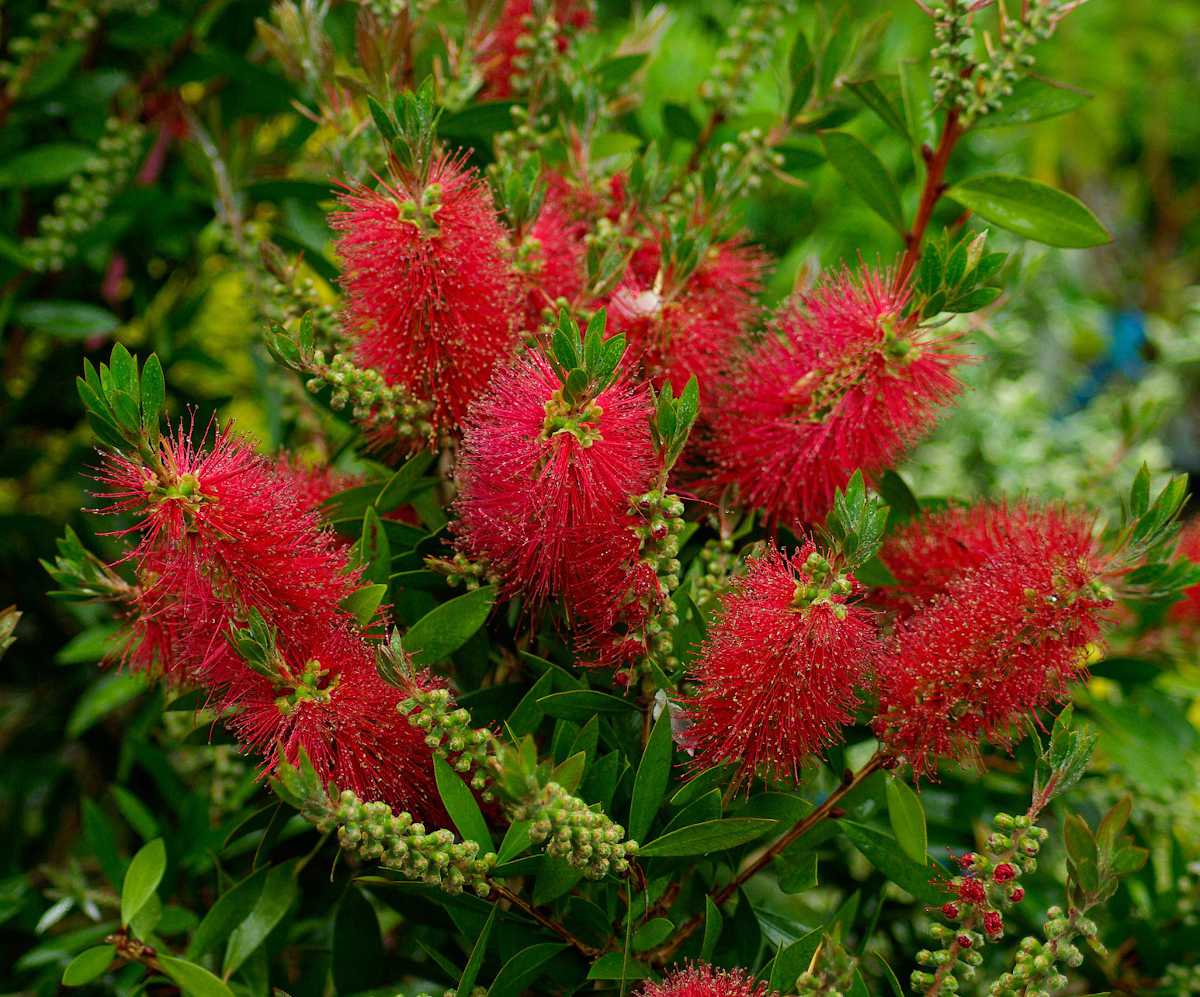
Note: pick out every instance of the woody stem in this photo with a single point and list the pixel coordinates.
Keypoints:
(935, 186)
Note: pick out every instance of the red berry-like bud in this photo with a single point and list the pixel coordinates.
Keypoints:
(1004, 872)
(993, 923)
(950, 911)
(966, 860)
(1016, 894)
(964, 941)
(971, 891)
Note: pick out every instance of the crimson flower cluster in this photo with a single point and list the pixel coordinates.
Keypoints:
(222, 536)
(703, 980)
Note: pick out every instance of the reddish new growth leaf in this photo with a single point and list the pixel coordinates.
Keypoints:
(692, 329)
(779, 671)
(431, 299)
(499, 47)
(847, 382)
(1187, 611)
(544, 490)
(328, 700)
(703, 980)
(1017, 597)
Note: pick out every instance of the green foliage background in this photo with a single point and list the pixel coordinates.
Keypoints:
(91, 765)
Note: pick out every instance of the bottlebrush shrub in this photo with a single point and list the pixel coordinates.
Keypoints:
(611, 653)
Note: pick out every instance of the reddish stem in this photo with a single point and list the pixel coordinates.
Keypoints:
(935, 186)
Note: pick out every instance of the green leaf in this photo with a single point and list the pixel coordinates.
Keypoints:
(522, 969)
(44, 165)
(66, 319)
(193, 980)
(653, 774)
(713, 922)
(679, 122)
(142, 878)
(278, 894)
(793, 960)
(802, 71)
(872, 95)
(707, 837)
(230, 910)
(461, 806)
(583, 704)
(866, 175)
(651, 933)
(890, 976)
(482, 120)
(1081, 848)
(1031, 209)
(154, 391)
(470, 973)
(362, 602)
(885, 854)
(89, 964)
(358, 956)
(614, 966)
(1033, 99)
(907, 817)
(902, 503)
(442, 631)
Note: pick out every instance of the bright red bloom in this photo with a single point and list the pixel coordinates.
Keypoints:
(501, 45)
(560, 260)
(846, 383)
(693, 329)
(779, 670)
(1001, 641)
(993, 923)
(703, 980)
(1187, 610)
(313, 484)
(432, 300)
(330, 702)
(929, 552)
(546, 503)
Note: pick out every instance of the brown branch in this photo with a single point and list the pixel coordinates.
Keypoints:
(132, 950)
(549, 923)
(935, 187)
(850, 781)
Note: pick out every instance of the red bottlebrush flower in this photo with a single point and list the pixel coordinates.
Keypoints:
(702, 980)
(779, 669)
(331, 703)
(971, 891)
(847, 383)
(219, 516)
(313, 484)
(1000, 641)
(694, 329)
(545, 499)
(431, 298)
(502, 44)
(559, 260)
(929, 552)
(1187, 610)
(993, 924)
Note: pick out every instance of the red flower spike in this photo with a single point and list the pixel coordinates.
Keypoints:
(549, 509)
(333, 705)
(694, 330)
(847, 383)
(432, 302)
(560, 260)
(313, 484)
(1187, 610)
(778, 677)
(702, 980)
(497, 49)
(1001, 641)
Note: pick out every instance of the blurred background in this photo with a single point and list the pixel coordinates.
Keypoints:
(1088, 366)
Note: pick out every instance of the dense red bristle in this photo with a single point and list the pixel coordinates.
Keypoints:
(1187, 610)
(549, 513)
(702, 980)
(560, 260)
(497, 49)
(777, 681)
(828, 393)
(1000, 639)
(693, 330)
(432, 309)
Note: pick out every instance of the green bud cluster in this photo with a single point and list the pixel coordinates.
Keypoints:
(717, 562)
(295, 294)
(395, 841)
(747, 51)
(975, 902)
(831, 973)
(733, 169)
(372, 401)
(461, 570)
(585, 838)
(1182, 980)
(448, 731)
(537, 52)
(1036, 971)
(824, 583)
(82, 205)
